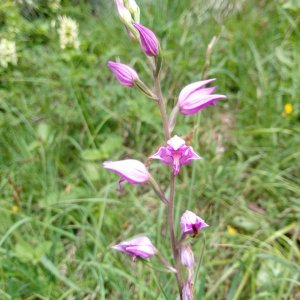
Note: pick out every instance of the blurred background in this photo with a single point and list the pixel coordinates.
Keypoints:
(62, 114)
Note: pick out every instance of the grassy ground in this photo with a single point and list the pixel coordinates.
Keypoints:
(62, 114)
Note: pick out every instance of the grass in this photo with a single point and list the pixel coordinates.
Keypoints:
(62, 114)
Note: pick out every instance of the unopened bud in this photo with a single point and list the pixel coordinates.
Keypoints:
(187, 256)
(123, 12)
(132, 6)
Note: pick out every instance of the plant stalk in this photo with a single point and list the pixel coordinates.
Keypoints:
(170, 204)
(162, 106)
(172, 234)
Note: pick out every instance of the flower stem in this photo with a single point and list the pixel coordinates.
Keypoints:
(170, 204)
(162, 106)
(172, 233)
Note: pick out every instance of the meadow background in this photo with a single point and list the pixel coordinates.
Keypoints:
(62, 114)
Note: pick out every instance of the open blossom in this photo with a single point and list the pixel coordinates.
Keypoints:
(148, 40)
(68, 33)
(130, 170)
(190, 223)
(187, 256)
(176, 153)
(196, 96)
(138, 247)
(124, 74)
(8, 54)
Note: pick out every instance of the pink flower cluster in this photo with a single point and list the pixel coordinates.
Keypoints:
(175, 152)
(143, 248)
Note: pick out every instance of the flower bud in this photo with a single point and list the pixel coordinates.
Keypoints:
(130, 170)
(148, 40)
(187, 256)
(187, 291)
(132, 6)
(124, 74)
(139, 247)
(123, 12)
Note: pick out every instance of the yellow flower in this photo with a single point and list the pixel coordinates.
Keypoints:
(231, 230)
(15, 208)
(288, 108)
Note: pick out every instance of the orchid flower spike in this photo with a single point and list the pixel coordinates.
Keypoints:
(187, 256)
(124, 74)
(176, 153)
(148, 40)
(130, 170)
(138, 247)
(196, 96)
(190, 223)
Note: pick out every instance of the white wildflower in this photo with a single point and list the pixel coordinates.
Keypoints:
(54, 5)
(8, 54)
(53, 23)
(68, 33)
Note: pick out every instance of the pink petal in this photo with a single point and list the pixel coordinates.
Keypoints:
(188, 156)
(195, 103)
(176, 142)
(132, 170)
(164, 155)
(192, 87)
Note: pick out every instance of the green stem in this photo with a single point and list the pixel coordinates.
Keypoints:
(172, 234)
(171, 201)
(162, 107)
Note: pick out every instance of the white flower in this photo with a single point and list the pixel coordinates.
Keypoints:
(8, 54)
(53, 23)
(68, 33)
(54, 5)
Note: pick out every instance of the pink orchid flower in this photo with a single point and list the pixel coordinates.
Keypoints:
(138, 247)
(176, 153)
(130, 170)
(190, 223)
(196, 96)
